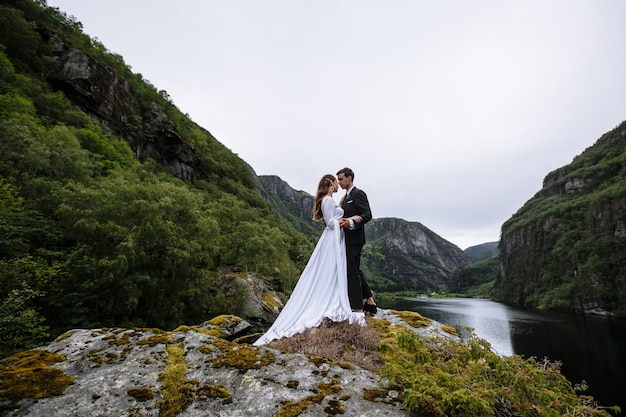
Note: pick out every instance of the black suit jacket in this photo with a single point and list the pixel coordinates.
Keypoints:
(356, 204)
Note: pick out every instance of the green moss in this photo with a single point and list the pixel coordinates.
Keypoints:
(141, 394)
(293, 384)
(444, 376)
(29, 375)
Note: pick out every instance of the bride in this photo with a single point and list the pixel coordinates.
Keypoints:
(322, 290)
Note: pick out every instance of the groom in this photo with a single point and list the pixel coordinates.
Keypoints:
(355, 203)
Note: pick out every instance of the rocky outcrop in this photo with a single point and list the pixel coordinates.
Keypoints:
(413, 254)
(191, 371)
(566, 247)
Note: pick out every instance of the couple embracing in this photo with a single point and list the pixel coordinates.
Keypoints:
(331, 285)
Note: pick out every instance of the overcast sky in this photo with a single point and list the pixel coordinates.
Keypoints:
(450, 112)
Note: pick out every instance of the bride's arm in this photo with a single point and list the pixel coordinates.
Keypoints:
(328, 210)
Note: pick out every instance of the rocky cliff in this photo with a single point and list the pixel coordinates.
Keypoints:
(566, 247)
(293, 205)
(412, 254)
(205, 370)
(108, 98)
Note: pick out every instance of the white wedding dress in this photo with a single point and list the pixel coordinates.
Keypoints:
(322, 290)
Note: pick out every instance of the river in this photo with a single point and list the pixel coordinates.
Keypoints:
(590, 348)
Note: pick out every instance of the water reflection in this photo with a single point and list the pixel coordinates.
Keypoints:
(490, 320)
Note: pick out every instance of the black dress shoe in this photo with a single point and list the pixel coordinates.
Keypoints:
(370, 308)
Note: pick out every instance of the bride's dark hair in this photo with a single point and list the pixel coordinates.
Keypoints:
(322, 191)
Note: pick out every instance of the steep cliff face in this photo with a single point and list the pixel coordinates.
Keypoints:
(293, 205)
(412, 254)
(566, 248)
(110, 101)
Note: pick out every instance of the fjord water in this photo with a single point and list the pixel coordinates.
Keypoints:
(590, 348)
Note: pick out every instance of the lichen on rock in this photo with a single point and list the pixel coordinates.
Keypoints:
(190, 372)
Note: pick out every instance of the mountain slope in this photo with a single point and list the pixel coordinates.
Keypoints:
(411, 256)
(115, 208)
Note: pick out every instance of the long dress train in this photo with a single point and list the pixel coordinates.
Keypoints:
(322, 290)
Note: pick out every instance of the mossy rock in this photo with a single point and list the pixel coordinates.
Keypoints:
(29, 375)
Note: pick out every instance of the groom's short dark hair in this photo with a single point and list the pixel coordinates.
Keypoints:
(347, 172)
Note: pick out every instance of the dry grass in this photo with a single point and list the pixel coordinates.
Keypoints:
(339, 342)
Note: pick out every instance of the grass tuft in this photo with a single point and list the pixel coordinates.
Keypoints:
(341, 342)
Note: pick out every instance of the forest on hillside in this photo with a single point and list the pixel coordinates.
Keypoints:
(565, 249)
(92, 237)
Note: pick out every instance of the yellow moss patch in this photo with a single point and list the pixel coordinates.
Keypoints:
(221, 344)
(292, 409)
(214, 391)
(140, 330)
(113, 340)
(177, 391)
(244, 358)
(271, 300)
(182, 328)
(64, 336)
(334, 407)
(318, 360)
(375, 394)
(224, 319)
(346, 365)
(29, 375)
(413, 319)
(99, 357)
(141, 394)
(215, 332)
(206, 350)
(155, 340)
(449, 329)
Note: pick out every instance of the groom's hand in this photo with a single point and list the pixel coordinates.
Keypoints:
(344, 223)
